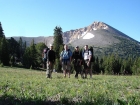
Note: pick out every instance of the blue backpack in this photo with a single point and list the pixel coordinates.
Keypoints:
(68, 53)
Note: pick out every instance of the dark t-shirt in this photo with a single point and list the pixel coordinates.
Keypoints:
(51, 55)
(76, 55)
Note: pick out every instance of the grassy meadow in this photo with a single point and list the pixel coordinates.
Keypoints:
(20, 86)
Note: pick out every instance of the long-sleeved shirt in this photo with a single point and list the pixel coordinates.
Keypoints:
(51, 55)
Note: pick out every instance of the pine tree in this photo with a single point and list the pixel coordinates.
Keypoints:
(136, 66)
(33, 54)
(40, 47)
(4, 53)
(20, 47)
(13, 47)
(58, 40)
(58, 46)
(1, 31)
(30, 56)
(27, 58)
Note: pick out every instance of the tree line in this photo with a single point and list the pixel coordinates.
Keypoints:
(16, 53)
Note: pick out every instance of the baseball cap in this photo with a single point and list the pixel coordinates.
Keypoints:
(76, 46)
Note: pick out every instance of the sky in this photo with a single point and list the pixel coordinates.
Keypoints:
(33, 18)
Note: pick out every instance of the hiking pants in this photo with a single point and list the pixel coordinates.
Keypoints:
(49, 69)
(77, 68)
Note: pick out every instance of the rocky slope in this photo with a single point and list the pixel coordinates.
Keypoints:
(97, 34)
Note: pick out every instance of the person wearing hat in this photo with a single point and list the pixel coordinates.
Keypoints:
(77, 60)
(50, 61)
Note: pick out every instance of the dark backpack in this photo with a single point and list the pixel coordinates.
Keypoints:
(45, 53)
(92, 56)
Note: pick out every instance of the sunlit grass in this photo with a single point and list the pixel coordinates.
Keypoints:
(31, 85)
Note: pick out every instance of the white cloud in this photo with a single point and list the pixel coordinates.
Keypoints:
(88, 36)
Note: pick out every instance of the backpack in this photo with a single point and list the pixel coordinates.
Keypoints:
(68, 52)
(92, 56)
(45, 53)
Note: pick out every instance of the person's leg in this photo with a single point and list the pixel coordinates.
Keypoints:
(51, 69)
(86, 69)
(82, 71)
(47, 72)
(75, 68)
(44, 64)
(68, 68)
(64, 69)
(90, 71)
(78, 69)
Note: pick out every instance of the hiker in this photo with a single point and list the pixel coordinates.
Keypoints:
(44, 57)
(65, 59)
(87, 56)
(77, 60)
(50, 61)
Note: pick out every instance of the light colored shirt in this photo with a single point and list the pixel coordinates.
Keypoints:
(87, 54)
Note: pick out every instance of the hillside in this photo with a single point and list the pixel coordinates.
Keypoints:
(102, 36)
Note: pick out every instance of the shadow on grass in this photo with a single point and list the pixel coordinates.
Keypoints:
(11, 100)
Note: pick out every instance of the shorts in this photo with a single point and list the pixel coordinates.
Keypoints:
(86, 66)
(66, 65)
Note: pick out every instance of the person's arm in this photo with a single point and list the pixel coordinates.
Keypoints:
(54, 57)
(81, 57)
(90, 55)
(70, 56)
(61, 56)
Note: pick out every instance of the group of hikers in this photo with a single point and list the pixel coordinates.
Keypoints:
(67, 57)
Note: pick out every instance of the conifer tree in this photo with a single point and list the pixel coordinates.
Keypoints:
(136, 66)
(20, 47)
(1, 31)
(40, 47)
(1, 43)
(33, 54)
(30, 56)
(58, 46)
(27, 58)
(4, 53)
(13, 47)
(58, 40)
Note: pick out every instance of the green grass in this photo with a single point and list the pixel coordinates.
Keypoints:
(29, 87)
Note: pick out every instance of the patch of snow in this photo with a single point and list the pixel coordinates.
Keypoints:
(105, 27)
(88, 36)
(94, 29)
(83, 34)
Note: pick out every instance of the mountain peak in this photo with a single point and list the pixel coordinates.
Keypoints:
(97, 25)
(73, 35)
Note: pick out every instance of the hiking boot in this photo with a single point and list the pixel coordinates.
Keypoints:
(85, 77)
(48, 76)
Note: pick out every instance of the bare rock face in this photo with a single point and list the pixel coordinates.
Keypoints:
(72, 35)
(97, 34)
